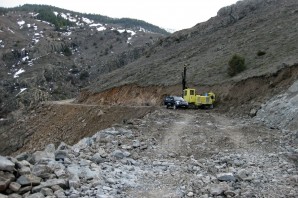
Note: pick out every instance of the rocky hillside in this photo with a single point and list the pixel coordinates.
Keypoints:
(115, 140)
(263, 32)
(47, 53)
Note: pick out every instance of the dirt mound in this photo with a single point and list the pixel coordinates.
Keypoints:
(64, 122)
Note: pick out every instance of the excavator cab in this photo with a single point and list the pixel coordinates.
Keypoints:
(189, 95)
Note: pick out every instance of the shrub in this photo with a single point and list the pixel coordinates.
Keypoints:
(83, 75)
(261, 53)
(66, 51)
(236, 65)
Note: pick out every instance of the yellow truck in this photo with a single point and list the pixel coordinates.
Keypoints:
(205, 100)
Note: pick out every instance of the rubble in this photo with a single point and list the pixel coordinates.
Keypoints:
(210, 160)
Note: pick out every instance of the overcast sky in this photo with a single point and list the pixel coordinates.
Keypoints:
(169, 14)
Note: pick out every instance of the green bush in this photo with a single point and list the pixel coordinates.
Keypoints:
(261, 53)
(236, 65)
(66, 51)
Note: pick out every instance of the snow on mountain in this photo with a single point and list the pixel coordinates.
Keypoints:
(16, 75)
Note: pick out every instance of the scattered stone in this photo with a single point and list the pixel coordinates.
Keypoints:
(26, 180)
(228, 177)
(14, 186)
(47, 192)
(218, 189)
(6, 164)
(36, 195)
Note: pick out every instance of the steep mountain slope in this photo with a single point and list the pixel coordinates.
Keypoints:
(263, 32)
(51, 60)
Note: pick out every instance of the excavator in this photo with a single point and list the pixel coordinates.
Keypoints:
(205, 100)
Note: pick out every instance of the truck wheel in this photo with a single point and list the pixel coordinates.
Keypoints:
(168, 106)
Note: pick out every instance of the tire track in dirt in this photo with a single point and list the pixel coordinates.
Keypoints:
(172, 138)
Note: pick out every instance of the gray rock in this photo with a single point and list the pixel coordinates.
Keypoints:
(5, 179)
(102, 153)
(36, 195)
(47, 192)
(22, 156)
(42, 171)
(3, 184)
(25, 189)
(253, 112)
(242, 174)
(229, 177)
(218, 189)
(230, 193)
(136, 143)
(14, 186)
(59, 194)
(61, 155)
(118, 154)
(6, 164)
(3, 196)
(56, 187)
(24, 170)
(14, 195)
(26, 180)
(50, 183)
(96, 158)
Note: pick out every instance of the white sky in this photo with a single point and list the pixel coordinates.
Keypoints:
(171, 14)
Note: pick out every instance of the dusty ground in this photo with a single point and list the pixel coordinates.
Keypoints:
(64, 121)
(216, 144)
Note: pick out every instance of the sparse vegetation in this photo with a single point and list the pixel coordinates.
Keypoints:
(236, 65)
(261, 53)
(66, 51)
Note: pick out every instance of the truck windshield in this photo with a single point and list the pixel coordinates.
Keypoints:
(178, 98)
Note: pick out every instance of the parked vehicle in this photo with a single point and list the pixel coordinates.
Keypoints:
(175, 102)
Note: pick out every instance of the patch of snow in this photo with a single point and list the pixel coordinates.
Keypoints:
(66, 34)
(22, 90)
(36, 34)
(86, 20)
(101, 28)
(35, 40)
(28, 25)
(25, 58)
(10, 30)
(56, 13)
(22, 49)
(95, 25)
(34, 14)
(35, 27)
(16, 75)
(1, 31)
(131, 32)
(63, 16)
(71, 19)
(121, 31)
(129, 39)
(21, 23)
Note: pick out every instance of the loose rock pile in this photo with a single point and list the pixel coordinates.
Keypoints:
(132, 160)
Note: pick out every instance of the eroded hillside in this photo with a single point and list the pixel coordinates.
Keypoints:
(246, 28)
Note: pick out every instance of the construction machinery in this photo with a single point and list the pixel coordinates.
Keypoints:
(195, 100)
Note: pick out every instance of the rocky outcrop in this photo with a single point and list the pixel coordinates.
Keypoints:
(281, 111)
